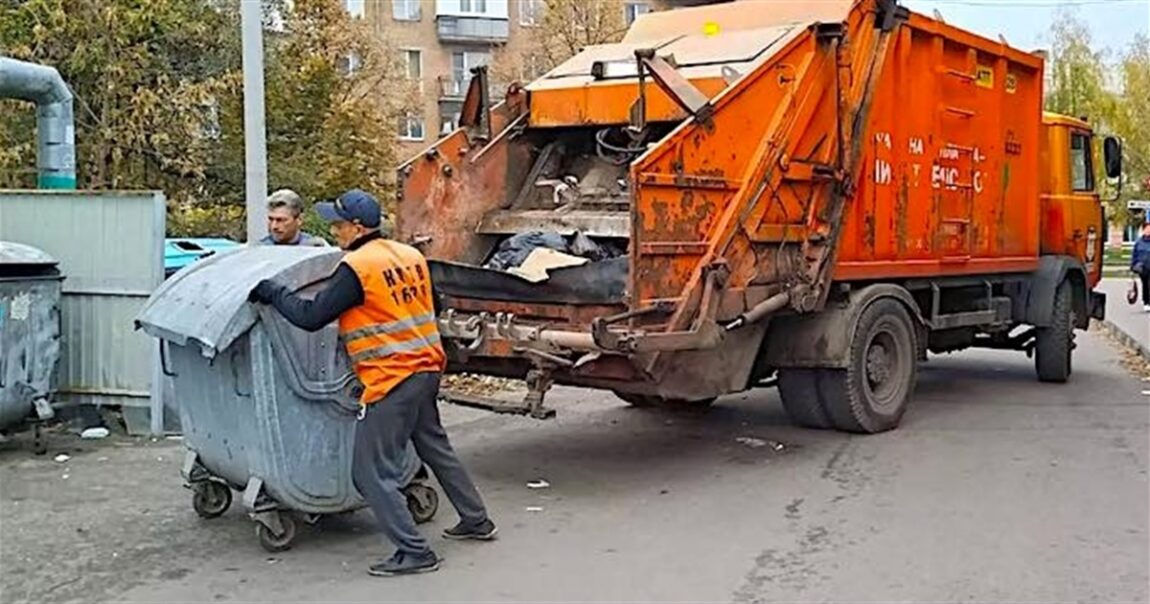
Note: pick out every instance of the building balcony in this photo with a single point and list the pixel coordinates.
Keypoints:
(483, 30)
(451, 88)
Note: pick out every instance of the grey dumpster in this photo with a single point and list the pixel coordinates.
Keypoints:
(266, 409)
(29, 332)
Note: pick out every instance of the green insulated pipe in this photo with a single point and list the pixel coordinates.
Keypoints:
(55, 128)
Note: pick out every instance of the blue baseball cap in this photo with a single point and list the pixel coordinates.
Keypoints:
(355, 205)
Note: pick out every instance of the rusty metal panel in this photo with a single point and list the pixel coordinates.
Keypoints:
(110, 248)
(949, 182)
(445, 191)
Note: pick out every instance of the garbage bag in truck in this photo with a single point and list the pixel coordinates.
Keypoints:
(267, 409)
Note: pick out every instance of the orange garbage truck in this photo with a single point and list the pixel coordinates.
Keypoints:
(813, 195)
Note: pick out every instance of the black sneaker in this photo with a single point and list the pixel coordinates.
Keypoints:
(405, 564)
(484, 531)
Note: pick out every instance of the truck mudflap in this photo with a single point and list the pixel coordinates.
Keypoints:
(1097, 306)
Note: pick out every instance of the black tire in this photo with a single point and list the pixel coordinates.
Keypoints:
(638, 400)
(650, 400)
(873, 392)
(1053, 345)
(799, 390)
(422, 502)
(277, 543)
(211, 499)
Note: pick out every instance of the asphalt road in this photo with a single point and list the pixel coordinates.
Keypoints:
(995, 488)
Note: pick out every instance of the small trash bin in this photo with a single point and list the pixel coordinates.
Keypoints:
(266, 409)
(29, 332)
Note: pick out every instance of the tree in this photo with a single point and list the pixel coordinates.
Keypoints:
(1077, 71)
(142, 73)
(1131, 120)
(1080, 86)
(334, 95)
(159, 100)
(563, 29)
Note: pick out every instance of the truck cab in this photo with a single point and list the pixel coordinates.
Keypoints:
(1073, 219)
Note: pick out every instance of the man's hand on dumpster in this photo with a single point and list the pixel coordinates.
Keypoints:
(263, 292)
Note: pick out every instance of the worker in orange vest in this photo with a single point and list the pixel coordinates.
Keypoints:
(381, 294)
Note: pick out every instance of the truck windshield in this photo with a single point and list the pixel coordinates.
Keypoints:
(1081, 164)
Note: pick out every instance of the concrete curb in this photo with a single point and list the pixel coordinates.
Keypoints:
(1126, 339)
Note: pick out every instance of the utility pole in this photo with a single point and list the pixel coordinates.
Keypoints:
(255, 133)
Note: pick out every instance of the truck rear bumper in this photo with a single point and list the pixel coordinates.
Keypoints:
(1097, 306)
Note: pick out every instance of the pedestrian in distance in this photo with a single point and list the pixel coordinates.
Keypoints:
(1140, 264)
(381, 294)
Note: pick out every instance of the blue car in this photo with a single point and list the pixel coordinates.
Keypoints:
(180, 252)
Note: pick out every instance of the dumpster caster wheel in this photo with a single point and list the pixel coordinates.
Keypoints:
(211, 499)
(273, 543)
(422, 502)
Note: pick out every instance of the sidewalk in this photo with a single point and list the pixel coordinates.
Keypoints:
(1128, 321)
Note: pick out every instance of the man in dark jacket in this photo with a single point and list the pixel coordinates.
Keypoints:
(381, 295)
(1140, 264)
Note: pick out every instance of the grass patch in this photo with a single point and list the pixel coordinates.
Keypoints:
(1117, 256)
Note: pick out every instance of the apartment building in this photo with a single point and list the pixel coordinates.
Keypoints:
(441, 40)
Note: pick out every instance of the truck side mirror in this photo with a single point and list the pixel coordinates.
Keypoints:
(1112, 156)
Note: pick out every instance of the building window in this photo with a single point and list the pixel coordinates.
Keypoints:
(530, 12)
(531, 68)
(473, 6)
(355, 8)
(449, 124)
(461, 65)
(1081, 164)
(414, 60)
(405, 10)
(632, 10)
(411, 128)
(350, 64)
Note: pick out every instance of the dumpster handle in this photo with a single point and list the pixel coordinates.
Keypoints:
(164, 360)
(236, 376)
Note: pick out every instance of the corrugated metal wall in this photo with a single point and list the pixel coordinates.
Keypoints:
(110, 248)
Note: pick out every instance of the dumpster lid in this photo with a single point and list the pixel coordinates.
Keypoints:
(19, 254)
(207, 303)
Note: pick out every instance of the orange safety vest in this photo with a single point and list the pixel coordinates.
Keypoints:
(393, 334)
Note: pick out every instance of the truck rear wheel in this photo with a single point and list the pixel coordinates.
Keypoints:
(873, 392)
(799, 390)
(1053, 345)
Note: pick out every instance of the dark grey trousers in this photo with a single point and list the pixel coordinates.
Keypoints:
(409, 412)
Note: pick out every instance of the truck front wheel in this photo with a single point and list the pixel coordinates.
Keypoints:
(1053, 345)
(873, 392)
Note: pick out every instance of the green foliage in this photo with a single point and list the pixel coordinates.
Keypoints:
(1114, 97)
(1131, 119)
(1078, 72)
(160, 101)
(143, 73)
(1117, 256)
